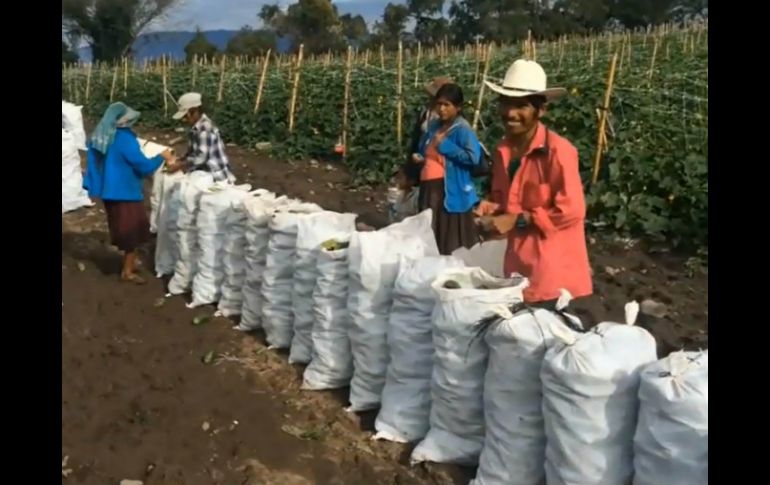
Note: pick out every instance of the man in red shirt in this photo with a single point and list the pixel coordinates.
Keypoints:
(537, 195)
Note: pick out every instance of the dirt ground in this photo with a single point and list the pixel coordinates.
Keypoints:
(138, 402)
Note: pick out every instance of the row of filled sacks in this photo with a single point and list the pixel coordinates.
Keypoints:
(527, 395)
(383, 347)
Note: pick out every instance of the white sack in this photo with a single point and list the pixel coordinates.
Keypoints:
(514, 442)
(373, 271)
(234, 254)
(312, 230)
(151, 149)
(456, 432)
(278, 277)
(215, 205)
(259, 211)
(590, 402)
(186, 200)
(72, 121)
(405, 412)
(73, 196)
(487, 255)
(331, 365)
(165, 187)
(671, 444)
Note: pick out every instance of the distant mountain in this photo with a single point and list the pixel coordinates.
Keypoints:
(155, 44)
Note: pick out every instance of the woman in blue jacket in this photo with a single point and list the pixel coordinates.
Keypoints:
(114, 173)
(449, 151)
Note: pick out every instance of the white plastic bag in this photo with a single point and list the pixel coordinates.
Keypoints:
(487, 255)
(73, 196)
(671, 444)
(165, 186)
(373, 260)
(514, 442)
(456, 432)
(278, 277)
(312, 230)
(191, 187)
(259, 211)
(590, 402)
(331, 365)
(234, 255)
(215, 206)
(72, 121)
(405, 412)
(159, 179)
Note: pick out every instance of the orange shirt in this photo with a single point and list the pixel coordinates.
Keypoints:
(552, 251)
(433, 167)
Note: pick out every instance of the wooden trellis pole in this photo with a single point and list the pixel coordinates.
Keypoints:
(417, 64)
(600, 137)
(165, 86)
(262, 81)
(295, 88)
(114, 82)
(348, 67)
(399, 94)
(88, 81)
(223, 69)
(477, 114)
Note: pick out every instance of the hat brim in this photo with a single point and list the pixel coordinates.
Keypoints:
(549, 94)
(180, 114)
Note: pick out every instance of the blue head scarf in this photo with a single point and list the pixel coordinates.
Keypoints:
(118, 115)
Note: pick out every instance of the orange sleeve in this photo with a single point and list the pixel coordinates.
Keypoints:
(499, 179)
(569, 205)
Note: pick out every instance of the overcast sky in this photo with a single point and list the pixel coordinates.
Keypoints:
(233, 14)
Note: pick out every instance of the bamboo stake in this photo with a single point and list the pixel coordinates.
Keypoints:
(221, 91)
(399, 94)
(295, 88)
(561, 54)
(629, 53)
(652, 61)
(533, 47)
(114, 82)
(366, 58)
(165, 87)
(477, 114)
(417, 64)
(479, 58)
(528, 50)
(348, 67)
(382, 56)
(125, 77)
(591, 61)
(262, 81)
(88, 82)
(600, 137)
(194, 70)
(622, 54)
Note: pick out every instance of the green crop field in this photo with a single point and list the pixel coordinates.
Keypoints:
(653, 180)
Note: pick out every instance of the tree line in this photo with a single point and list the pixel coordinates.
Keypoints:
(111, 26)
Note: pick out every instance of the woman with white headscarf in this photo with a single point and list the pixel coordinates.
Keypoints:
(114, 172)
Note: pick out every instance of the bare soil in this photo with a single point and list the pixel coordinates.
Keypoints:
(139, 403)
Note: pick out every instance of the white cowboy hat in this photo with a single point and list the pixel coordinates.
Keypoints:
(525, 78)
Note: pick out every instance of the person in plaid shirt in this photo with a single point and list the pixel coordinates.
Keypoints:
(207, 151)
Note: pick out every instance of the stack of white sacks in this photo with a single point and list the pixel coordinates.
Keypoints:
(73, 139)
(448, 352)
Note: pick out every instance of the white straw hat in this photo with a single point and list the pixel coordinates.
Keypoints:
(525, 78)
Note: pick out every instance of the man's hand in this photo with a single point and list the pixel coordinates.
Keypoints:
(167, 155)
(501, 224)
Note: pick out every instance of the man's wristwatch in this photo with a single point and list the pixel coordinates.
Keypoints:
(521, 222)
